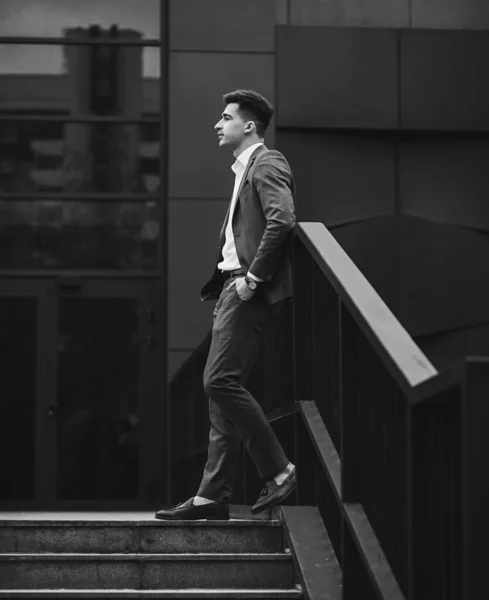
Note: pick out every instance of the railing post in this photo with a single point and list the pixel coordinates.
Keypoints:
(348, 357)
(305, 463)
(300, 322)
(475, 477)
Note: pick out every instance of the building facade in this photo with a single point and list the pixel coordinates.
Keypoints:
(112, 194)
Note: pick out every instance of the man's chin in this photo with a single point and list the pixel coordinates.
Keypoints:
(223, 143)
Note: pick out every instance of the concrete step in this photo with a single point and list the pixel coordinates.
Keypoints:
(140, 537)
(146, 571)
(258, 594)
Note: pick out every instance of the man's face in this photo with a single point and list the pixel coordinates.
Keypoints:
(231, 128)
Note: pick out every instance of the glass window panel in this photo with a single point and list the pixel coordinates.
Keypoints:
(18, 324)
(79, 79)
(53, 157)
(49, 18)
(98, 428)
(54, 234)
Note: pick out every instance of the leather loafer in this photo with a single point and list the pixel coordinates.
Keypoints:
(187, 511)
(273, 493)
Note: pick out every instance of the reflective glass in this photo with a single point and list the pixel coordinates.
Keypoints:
(53, 157)
(71, 67)
(98, 377)
(54, 234)
(49, 18)
(18, 372)
(47, 77)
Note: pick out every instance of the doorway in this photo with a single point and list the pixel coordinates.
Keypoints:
(83, 423)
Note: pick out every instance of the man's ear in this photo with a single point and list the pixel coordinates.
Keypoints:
(249, 126)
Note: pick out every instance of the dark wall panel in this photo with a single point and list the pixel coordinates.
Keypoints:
(176, 358)
(433, 277)
(282, 16)
(373, 247)
(198, 167)
(446, 180)
(193, 240)
(340, 178)
(454, 14)
(450, 347)
(336, 77)
(445, 276)
(444, 82)
(349, 13)
(223, 25)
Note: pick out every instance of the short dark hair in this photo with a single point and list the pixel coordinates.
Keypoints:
(253, 106)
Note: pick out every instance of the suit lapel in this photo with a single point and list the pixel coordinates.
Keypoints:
(224, 223)
(253, 157)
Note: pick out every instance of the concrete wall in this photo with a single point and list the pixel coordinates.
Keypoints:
(218, 45)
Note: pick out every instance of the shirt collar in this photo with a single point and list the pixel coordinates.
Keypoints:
(243, 159)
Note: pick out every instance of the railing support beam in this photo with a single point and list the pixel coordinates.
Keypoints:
(475, 474)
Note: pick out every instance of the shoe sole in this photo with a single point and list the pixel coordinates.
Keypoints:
(272, 504)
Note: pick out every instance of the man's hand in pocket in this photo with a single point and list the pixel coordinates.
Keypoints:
(242, 289)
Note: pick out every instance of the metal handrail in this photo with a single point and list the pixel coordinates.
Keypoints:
(398, 351)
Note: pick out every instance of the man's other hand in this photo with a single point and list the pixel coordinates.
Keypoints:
(242, 289)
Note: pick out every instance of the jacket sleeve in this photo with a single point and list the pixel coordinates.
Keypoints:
(272, 179)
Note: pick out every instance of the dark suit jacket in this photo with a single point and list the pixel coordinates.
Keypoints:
(262, 223)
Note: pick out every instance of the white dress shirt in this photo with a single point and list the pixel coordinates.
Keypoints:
(230, 260)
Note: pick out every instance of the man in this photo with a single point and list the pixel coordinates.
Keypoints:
(251, 280)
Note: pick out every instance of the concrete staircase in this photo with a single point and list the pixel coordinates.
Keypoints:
(132, 555)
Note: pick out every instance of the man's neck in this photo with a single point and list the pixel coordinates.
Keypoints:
(246, 144)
